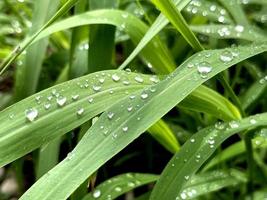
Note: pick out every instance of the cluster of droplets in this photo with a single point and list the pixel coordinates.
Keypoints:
(61, 100)
(187, 194)
(197, 7)
(263, 80)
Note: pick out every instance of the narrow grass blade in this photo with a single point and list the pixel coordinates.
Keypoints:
(173, 179)
(149, 106)
(118, 185)
(173, 14)
(230, 32)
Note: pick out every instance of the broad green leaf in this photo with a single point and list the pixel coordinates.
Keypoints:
(178, 172)
(173, 14)
(230, 32)
(118, 185)
(149, 106)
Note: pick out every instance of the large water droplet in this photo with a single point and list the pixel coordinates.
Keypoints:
(96, 88)
(115, 77)
(31, 114)
(96, 193)
(61, 101)
(204, 68)
(139, 79)
(226, 56)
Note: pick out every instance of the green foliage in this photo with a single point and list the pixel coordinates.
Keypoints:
(82, 117)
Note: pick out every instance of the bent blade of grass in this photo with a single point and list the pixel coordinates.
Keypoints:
(118, 185)
(19, 49)
(173, 14)
(82, 93)
(149, 106)
(196, 155)
(155, 28)
(230, 32)
(161, 62)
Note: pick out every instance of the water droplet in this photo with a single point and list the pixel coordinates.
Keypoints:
(252, 121)
(239, 28)
(49, 98)
(61, 101)
(126, 83)
(75, 97)
(110, 115)
(144, 96)
(96, 193)
(115, 77)
(183, 195)
(204, 68)
(154, 79)
(132, 96)
(125, 128)
(118, 189)
(96, 88)
(130, 109)
(90, 100)
(139, 79)
(130, 184)
(47, 106)
(31, 114)
(101, 80)
(80, 111)
(186, 177)
(192, 140)
(219, 125)
(190, 65)
(226, 56)
(233, 124)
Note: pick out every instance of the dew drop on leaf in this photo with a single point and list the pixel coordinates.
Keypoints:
(226, 56)
(47, 106)
(90, 100)
(80, 111)
(252, 121)
(75, 97)
(96, 88)
(110, 115)
(125, 128)
(61, 101)
(144, 96)
(204, 68)
(115, 77)
(139, 79)
(31, 114)
(96, 194)
(118, 189)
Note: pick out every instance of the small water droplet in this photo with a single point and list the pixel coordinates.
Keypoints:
(252, 121)
(219, 125)
(115, 77)
(96, 88)
(126, 83)
(233, 124)
(47, 106)
(139, 79)
(75, 97)
(97, 193)
(226, 56)
(110, 115)
(80, 111)
(186, 177)
(90, 100)
(144, 96)
(130, 109)
(118, 189)
(239, 28)
(61, 101)
(130, 184)
(204, 68)
(101, 80)
(125, 128)
(31, 114)
(192, 140)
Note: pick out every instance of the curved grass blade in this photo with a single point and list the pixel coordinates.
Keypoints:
(19, 49)
(118, 185)
(177, 173)
(155, 28)
(230, 32)
(173, 14)
(31, 122)
(208, 182)
(149, 106)
(210, 10)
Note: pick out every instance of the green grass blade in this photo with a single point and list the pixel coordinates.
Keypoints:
(33, 134)
(19, 49)
(230, 32)
(155, 28)
(149, 106)
(118, 185)
(28, 74)
(173, 14)
(173, 179)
